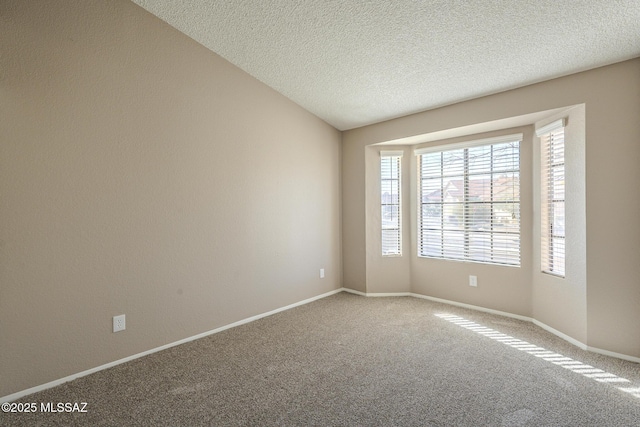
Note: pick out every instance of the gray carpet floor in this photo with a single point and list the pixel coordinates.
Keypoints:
(347, 360)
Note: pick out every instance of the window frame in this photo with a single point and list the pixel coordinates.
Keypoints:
(395, 182)
(467, 247)
(552, 162)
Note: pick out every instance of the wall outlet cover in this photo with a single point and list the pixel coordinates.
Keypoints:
(119, 323)
(473, 281)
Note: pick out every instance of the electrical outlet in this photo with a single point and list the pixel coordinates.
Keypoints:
(119, 323)
(322, 273)
(473, 281)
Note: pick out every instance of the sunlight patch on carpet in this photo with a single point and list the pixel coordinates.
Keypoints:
(542, 353)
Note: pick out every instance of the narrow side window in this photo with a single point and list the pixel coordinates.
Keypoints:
(390, 202)
(552, 198)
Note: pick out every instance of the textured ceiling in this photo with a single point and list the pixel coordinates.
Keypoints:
(358, 62)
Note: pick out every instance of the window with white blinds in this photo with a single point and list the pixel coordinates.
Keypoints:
(552, 198)
(390, 202)
(469, 201)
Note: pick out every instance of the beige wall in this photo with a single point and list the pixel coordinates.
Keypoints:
(569, 292)
(385, 274)
(499, 287)
(353, 210)
(611, 98)
(613, 206)
(142, 174)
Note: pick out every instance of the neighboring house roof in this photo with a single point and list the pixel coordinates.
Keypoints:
(479, 189)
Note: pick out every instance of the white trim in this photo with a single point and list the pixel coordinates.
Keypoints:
(391, 153)
(485, 141)
(536, 322)
(389, 294)
(573, 341)
(353, 291)
(473, 307)
(375, 295)
(613, 354)
(557, 333)
(557, 124)
(72, 377)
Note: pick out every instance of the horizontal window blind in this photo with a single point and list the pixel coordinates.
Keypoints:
(553, 199)
(390, 202)
(469, 203)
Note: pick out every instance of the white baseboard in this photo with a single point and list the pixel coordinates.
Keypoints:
(72, 377)
(536, 322)
(353, 291)
(376, 294)
(389, 294)
(60, 381)
(613, 354)
(560, 334)
(473, 307)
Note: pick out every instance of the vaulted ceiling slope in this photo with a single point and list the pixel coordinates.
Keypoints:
(358, 62)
